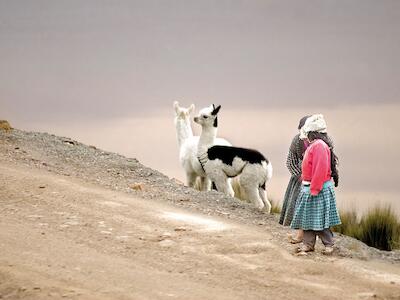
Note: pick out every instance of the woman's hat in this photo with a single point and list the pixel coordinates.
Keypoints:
(314, 123)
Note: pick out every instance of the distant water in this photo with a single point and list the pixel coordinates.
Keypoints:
(366, 141)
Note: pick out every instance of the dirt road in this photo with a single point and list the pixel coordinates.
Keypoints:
(61, 237)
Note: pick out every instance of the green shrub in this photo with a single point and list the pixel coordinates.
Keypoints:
(350, 224)
(378, 228)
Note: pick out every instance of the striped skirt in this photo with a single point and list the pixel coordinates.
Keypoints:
(289, 202)
(316, 212)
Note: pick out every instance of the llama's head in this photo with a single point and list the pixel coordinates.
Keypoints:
(181, 112)
(208, 117)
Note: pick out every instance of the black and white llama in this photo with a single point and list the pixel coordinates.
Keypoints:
(188, 144)
(223, 162)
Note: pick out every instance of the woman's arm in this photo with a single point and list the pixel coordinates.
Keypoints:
(293, 161)
(320, 168)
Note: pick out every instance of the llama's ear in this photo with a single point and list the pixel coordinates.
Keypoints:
(191, 108)
(176, 106)
(216, 110)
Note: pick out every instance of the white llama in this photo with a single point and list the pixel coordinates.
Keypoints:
(188, 148)
(223, 162)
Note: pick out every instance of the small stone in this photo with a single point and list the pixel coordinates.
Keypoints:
(42, 186)
(202, 273)
(105, 232)
(136, 186)
(70, 142)
(366, 295)
(180, 228)
(35, 216)
(177, 181)
(167, 243)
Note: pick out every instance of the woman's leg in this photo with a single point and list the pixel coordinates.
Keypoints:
(300, 234)
(326, 237)
(308, 242)
(297, 237)
(309, 237)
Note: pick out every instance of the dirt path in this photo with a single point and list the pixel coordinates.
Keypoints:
(61, 237)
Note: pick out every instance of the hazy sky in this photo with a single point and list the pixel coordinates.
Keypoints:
(106, 73)
(66, 59)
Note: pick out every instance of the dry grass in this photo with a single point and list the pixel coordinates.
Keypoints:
(275, 207)
(350, 224)
(378, 228)
(5, 125)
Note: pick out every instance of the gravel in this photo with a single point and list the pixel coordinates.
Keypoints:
(64, 156)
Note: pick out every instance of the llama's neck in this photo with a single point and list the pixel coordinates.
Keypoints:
(183, 130)
(207, 139)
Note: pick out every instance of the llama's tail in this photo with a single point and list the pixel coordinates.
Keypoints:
(262, 189)
(268, 172)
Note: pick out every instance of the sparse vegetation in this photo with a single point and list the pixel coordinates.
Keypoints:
(350, 224)
(275, 207)
(378, 228)
(5, 125)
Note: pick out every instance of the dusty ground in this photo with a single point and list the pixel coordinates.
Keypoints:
(72, 225)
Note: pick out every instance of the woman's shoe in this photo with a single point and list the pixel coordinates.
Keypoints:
(328, 250)
(294, 240)
(303, 250)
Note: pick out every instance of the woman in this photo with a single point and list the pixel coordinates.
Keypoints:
(316, 210)
(293, 163)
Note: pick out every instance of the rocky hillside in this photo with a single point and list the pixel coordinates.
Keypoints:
(67, 157)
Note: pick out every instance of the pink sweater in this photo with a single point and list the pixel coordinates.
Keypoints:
(316, 166)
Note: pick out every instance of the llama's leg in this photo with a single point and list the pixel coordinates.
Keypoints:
(205, 183)
(238, 189)
(229, 187)
(222, 183)
(249, 182)
(264, 198)
(191, 179)
(254, 196)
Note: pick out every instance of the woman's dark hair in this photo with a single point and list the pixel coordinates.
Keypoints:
(302, 122)
(313, 135)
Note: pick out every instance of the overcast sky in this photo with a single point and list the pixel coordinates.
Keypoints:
(62, 59)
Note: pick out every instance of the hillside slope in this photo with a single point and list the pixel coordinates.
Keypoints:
(77, 222)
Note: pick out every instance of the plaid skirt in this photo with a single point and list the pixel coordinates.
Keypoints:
(289, 202)
(316, 212)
